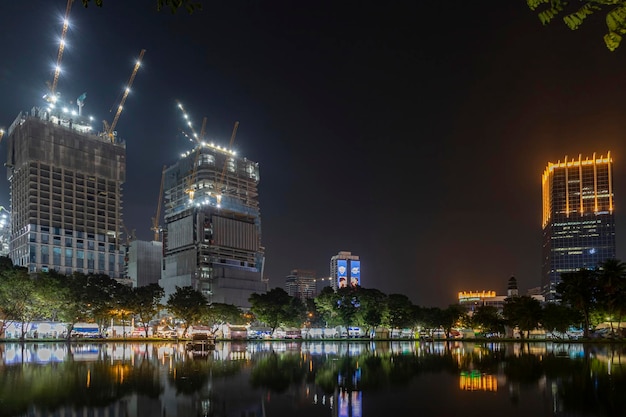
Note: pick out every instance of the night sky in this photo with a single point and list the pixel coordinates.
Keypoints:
(413, 134)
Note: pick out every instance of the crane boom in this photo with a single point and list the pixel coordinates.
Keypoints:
(57, 70)
(197, 138)
(155, 220)
(202, 129)
(126, 91)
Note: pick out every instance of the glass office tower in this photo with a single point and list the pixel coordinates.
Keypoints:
(578, 219)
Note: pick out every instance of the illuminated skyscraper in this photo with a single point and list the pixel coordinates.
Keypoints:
(578, 220)
(345, 270)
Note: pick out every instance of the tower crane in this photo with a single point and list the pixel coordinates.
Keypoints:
(109, 129)
(197, 138)
(155, 220)
(191, 186)
(218, 188)
(51, 96)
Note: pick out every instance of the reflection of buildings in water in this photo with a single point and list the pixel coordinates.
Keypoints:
(213, 396)
(349, 403)
(349, 397)
(15, 353)
(477, 381)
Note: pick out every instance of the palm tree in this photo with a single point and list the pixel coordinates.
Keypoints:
(579, 290)
(612, 288)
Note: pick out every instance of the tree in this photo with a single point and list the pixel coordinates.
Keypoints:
(188, 304)
(326, 304)
(579, 290)
(575, 14)
(173, 5)
(399, 311)
(522, 312)
(347, 306)
(612, 289)
(145, 302)
(450, 317)
(18, 301)
(105, 298)
(372, 307)
(219, 313)
(273, 308)
(488, 319)
(559, 317)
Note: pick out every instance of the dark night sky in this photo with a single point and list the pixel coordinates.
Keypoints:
(413, 134)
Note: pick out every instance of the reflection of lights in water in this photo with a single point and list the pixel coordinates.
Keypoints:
(44, 355)
(477, 381)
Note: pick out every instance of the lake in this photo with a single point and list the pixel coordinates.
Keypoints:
(312, 378)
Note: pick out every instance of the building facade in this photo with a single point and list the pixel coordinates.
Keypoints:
(301, 283)
(472, 300)
(345, 270)
(212, 232)
(66, 195)
(143, 265)
(578, 217)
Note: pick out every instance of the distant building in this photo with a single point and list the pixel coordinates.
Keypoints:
(212, 233)
(345, 270)
(144, 261)
(471, 300)
(301, 283)
(511, 288)
(66, 194)
(578, 220)
(5, 231)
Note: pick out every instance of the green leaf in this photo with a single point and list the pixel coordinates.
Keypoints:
(533, 4)
(612, 40)
(616, 19)
(574, 20)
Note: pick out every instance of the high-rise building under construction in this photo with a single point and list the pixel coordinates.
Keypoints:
(212, 231)
(578, 220)
(66, 194)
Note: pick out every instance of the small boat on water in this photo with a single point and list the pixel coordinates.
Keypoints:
(200, 344)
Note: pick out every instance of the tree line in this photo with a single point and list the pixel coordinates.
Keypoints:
(587, 297)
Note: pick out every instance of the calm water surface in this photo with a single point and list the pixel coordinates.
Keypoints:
(338, 379)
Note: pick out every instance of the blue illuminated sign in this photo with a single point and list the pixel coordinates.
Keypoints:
(342, 273)
(355, 273)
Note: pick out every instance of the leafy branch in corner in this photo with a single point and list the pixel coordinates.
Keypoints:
(174, 5)
(575, 15)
